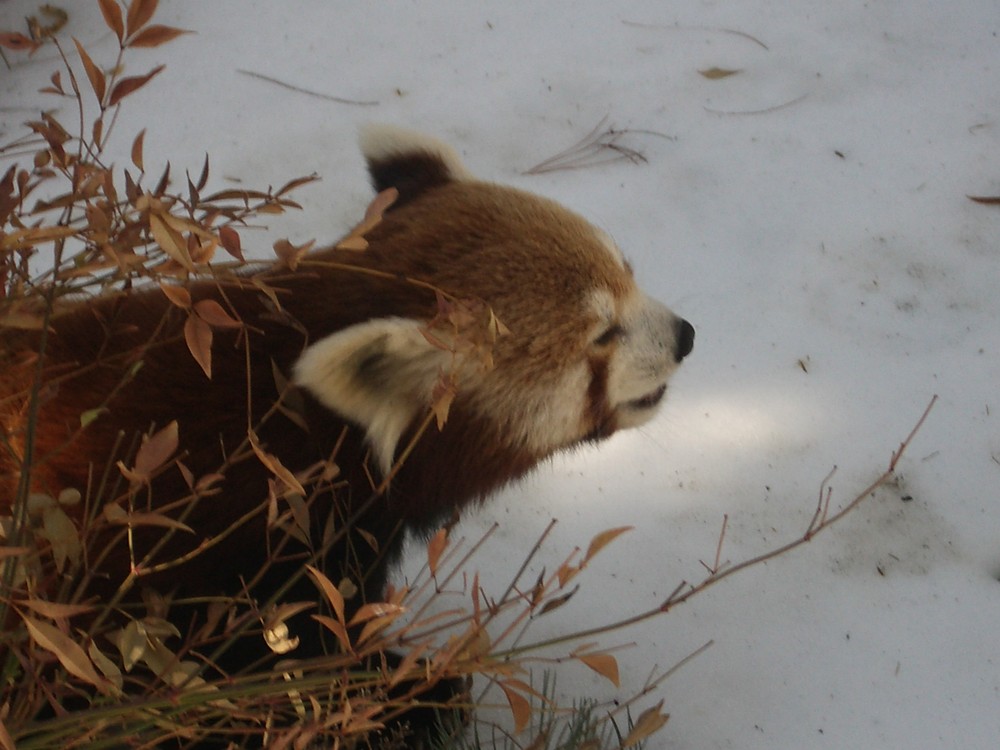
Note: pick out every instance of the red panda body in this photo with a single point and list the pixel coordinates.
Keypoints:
(343, 369)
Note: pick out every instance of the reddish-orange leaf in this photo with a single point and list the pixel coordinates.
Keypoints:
(373, 627)
(18, 42)
(274, 465)
(112, 13)
(290, 254)
(381, 202)
(520, 708)
(602, 540)
(198, 335)
(128, 85)
(377, 609)
(94, 73)
(337, 628)
(170, 241)
(566, 573)
(137, 150)
(214, 314)
(604, 664)
(331, 592)
(154, 36)
(156, 449)
(230, 239)
(353, 242)
(406, 667)
(177, 295)
(435, 547)
(649, 721)
(139, 13)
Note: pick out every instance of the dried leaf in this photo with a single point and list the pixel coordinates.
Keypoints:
(714, 74)
(62, 534)
(55, 610)
(69, 653)
(520, 708)
(108, 668)
(116, 515)
(381, 203)
(139, 13)
(274, 465)
(154, 36)
(296, 183)
(112, 13)
(445, 391)
(566, 573)
(156, 449)
(96, 76)
(600, 541)
(376, 609)
(127, 86)
(353, 242)
(137, 150)
(370, 539)
(230, 240)
(177, 295)
(170, 241)
(406, 666)
(649, 722)
(604, 664)
(330, 592)
(290, 254)
(986, 200)
(132, 643)
(552, 604)
(435, 547)
(198, 335)
(214, 314)
(337, 628)
(18, 42)
(374, 627)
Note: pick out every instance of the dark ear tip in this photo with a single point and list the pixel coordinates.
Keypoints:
(411, 174)
(408, 161)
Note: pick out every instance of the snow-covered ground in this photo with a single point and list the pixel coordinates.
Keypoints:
(808, 214)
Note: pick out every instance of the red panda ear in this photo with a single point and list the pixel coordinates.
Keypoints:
(410, 162)
(379, 374)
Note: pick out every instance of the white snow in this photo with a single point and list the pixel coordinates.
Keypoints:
(811, 208)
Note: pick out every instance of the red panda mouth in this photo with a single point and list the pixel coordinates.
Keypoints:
(649, 400)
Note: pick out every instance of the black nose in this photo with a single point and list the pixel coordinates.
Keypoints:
(685, 339)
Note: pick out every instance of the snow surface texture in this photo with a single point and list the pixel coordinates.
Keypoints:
(825, 250)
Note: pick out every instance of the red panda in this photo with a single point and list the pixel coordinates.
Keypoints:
(338, 362)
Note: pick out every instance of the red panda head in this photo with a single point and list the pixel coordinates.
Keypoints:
(588, 352)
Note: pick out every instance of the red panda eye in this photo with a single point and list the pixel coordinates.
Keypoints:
(611, 334)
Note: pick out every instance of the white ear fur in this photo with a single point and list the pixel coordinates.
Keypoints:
(381, 142)
(379, 374)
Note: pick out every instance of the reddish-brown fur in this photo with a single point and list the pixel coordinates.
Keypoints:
(530, 260)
